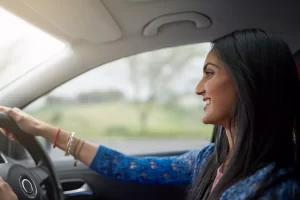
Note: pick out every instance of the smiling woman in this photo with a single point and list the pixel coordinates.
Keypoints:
(22, 47)
(215, 84)
(244, 163)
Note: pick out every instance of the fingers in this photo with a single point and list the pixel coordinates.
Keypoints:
(14, 113)
(9, 110)
(11, 136)
(5, 132)
(24, 121)
(3, 184)
(8, 134)
(6, 191)
(4, 109)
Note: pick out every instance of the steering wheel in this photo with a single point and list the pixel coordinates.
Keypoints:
(24, 182)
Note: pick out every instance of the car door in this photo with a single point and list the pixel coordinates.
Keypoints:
(143, 105)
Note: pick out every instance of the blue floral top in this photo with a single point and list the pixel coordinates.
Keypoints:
(181, 170)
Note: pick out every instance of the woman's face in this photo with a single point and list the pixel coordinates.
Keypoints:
(218, 91)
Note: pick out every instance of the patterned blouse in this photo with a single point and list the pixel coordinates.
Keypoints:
(181, 170)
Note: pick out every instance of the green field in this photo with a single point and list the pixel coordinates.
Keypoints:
(122, 120)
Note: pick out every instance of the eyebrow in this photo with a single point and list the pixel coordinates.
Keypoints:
(209, 63)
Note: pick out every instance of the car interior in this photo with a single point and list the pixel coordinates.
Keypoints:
(96, 32)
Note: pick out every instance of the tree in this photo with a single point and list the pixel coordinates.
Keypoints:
(99, 96)
(154, 72)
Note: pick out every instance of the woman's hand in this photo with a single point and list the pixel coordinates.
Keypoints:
(6, 193)
(36, 127)
(25, 122)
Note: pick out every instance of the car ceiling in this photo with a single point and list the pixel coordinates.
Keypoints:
(97, 32)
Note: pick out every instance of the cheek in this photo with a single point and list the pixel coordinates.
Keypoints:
(222, 94)
(224, 104)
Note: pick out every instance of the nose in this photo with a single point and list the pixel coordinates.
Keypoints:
(200, 88)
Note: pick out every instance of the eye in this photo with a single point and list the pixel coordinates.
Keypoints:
(209, 73)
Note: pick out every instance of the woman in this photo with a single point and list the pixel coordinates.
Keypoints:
(251, 93)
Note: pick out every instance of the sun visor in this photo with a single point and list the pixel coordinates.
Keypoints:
(88, 20)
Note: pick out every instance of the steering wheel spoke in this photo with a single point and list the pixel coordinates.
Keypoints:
(41, 174)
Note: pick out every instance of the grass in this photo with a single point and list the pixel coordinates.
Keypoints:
(122, 120)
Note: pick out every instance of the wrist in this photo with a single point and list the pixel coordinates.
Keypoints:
(46, 131)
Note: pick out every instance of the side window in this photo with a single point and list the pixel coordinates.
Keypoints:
(140, 104)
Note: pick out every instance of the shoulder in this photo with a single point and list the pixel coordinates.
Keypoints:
(206, 151)
(199, 154)
(203, 154)
(288, 189)
(200, 157)
(196, 157)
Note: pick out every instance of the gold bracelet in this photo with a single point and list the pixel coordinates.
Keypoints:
(79, 144)
(69, 146)
(77, 155)
(68, 139)
(76, 145)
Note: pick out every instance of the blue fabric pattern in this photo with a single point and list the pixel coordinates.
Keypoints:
(181, 170)
(147, 170)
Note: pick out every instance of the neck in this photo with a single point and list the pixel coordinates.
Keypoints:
(230, 143)
(230, 140)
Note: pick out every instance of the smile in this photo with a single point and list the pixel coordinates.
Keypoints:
(207, 102)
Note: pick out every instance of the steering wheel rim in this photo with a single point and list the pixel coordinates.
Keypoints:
(37, 152)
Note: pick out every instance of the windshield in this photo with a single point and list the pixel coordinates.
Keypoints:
(22, 47)
(141, 104)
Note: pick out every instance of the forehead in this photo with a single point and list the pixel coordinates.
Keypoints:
(212, 57)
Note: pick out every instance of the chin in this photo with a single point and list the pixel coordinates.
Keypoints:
(215, 120)
(206, 120)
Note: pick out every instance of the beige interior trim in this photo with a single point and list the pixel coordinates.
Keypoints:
(87, 20)
(69, 20)
(81, 55)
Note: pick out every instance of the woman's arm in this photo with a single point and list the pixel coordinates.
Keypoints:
(175, 170)
(115, 165)
(112, 164)
(87, 151)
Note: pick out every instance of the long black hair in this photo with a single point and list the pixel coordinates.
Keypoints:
(266, 116)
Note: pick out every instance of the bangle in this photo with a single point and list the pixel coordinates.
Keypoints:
(69, 146)
(68, 142)
(76, 145)
(56, 137)
(77, 155)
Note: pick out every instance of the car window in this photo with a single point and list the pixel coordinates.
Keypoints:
(140, 104)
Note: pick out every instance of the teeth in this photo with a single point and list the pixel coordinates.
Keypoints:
(207, 102)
